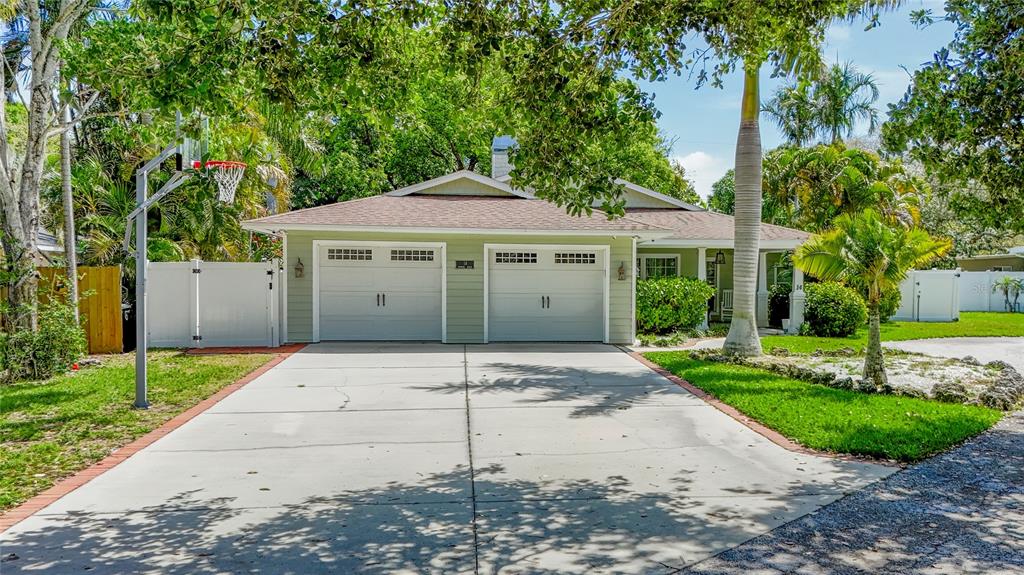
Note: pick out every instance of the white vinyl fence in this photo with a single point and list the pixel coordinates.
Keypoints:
(210, 304)
(976, 292)
(930, 295)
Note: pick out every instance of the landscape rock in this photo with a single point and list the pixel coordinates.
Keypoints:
(950, 392)
(970, 360)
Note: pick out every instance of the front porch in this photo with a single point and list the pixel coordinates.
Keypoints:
(713, 263)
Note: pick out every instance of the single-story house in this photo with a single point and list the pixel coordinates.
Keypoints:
(1012, 261)
(466, 258)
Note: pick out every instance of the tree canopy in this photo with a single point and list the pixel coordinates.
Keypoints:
(963, 115)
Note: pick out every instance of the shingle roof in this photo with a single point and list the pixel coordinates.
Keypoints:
(689, 225)
(453, 212)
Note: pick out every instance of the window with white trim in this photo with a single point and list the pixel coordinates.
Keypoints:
(350, 254)
(575, 258)
(515, 257)
(410, 255)
(659, 267)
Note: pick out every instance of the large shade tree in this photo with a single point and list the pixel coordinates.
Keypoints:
(963, 115)
(872, 256)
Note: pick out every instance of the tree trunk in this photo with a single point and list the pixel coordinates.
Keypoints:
(69, 213)
(743, 338)
(874, 365)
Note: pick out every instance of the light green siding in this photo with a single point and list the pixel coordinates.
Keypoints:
(465, 288)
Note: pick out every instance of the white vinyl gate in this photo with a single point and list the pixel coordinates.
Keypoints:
(930, 295)
(211, 304)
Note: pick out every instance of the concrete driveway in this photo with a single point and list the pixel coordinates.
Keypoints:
(425, 458)
(984, 349)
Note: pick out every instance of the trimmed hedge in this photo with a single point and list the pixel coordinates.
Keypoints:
(671, 304)
(833, 310)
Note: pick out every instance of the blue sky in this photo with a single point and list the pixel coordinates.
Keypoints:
(703, 123)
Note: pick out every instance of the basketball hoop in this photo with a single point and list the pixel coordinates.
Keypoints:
(227, 175)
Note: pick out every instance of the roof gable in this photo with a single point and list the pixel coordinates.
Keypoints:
(461, 183)
(637, 196)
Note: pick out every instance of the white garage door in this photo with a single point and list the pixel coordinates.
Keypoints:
(379, 292)
(546, 294)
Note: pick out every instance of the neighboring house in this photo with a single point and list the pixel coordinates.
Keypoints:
(1012, 261)
(465, 258)
(47, 249)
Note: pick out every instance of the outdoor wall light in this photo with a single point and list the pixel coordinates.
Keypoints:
(299, 269)
(622, 271)
(720, 258)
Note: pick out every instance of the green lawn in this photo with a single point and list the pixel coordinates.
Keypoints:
(971, 324)
(835, 420)
(51, 429)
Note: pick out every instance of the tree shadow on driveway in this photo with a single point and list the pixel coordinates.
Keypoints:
(612, 530)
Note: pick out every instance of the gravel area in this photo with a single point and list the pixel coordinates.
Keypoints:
(918, 372)
(961, 512)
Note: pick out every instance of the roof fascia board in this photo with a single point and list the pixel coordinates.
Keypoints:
(275, 228)
(699, 243)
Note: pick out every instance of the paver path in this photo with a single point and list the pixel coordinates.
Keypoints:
(426, 458)
(959, 513)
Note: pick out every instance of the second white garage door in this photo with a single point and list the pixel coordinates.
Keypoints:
(380, 292)
(546, 294)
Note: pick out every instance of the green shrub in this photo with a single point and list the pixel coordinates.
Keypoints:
(50, 350)
(833, 310)
(671, 304)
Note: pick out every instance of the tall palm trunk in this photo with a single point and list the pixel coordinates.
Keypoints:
(69, 212)
(874, 365)
(742, 338)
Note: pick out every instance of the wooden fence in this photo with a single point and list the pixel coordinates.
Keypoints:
(99, 304)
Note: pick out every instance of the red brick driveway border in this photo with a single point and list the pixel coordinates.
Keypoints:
(69, 484)
(768, 433)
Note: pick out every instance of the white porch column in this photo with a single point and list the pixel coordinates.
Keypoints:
(762, 290)
(796, 301)
(702, 275)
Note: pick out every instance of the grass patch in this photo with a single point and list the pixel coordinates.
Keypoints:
(971, 324)
(53, 428)
(835, 420)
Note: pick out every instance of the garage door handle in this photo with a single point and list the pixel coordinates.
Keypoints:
(549, 301)
(378, 300)
(384, 299)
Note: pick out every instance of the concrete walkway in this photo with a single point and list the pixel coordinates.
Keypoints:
(423, 458)
(984, 349)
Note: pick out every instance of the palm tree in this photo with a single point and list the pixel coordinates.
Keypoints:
(793, 111)
(867, 253)
(742, 338)
(842, 97)
(808, 187)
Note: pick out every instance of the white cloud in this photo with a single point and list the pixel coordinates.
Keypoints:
(703, 170)
(837, 34)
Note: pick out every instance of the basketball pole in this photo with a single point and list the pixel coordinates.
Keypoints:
(188, 158)
(142, 203)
